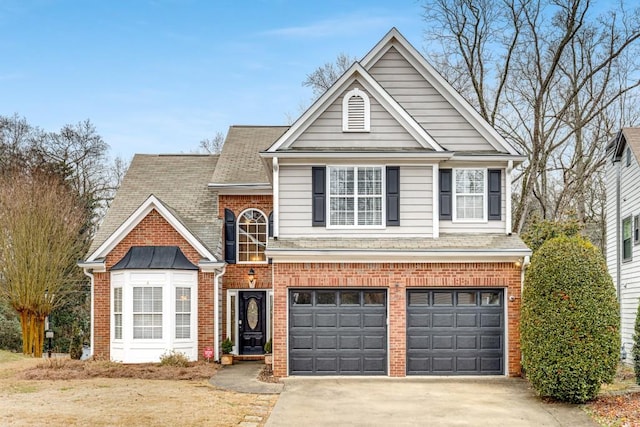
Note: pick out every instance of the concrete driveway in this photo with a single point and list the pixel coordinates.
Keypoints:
(417, 401)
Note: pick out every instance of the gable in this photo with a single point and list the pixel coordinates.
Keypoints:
(427, 106)
(326, 131)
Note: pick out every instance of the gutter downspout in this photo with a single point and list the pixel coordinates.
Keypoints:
(216, 312)
(617, 165)
(90, 275)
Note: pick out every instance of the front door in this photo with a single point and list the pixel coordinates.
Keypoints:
(252, 322)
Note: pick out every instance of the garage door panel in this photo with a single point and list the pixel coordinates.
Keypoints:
(350, 320)
(442, 320)
(442, 342)
(346, 338)
(466, 342)
(419, 320)
(301, 342)
(326, 364)
(302, 320)
(326, 342)
(490, 320)
(375, 342)
(375, 320)
(455, 332)
(467, 364)
(466, 320)
(491, 342)
(326, 320)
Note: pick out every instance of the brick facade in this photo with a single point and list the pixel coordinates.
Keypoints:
(396, 278)
(153, 230)
(236, 275)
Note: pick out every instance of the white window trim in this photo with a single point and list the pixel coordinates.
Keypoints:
(345, 110)
(113, 314)
(454, 197)
(266, 218)
(383, 221)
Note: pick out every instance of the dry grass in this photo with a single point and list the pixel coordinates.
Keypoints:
(99, 393)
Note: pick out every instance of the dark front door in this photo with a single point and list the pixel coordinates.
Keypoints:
(252, 322)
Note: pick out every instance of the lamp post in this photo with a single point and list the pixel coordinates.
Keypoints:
(48, 333)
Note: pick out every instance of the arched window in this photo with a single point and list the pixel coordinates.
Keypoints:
(252, 236)
(355, 111)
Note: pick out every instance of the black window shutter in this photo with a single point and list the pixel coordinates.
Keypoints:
(229, 237)
(446, 193)
(495, 195)
(318, 202)
(393, 195)
(271, 224)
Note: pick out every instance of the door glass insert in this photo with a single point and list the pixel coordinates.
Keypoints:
(349, 298)
(252, 313)
(442, 298)
(419, 298)
(325, 298)
(374, 298)
(466, 298)
(490, 298)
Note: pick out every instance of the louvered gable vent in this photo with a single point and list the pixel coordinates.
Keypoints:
(355, 111)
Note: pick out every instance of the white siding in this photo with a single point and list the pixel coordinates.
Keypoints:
(630, 270)
(421, 100)
(415, 205)
(326, 131)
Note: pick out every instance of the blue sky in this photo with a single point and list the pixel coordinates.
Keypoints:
(157, 76)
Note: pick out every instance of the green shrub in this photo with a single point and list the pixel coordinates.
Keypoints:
(542, 230)
(227, 346)
(636, 347)
(10, 331)
(174, 358)
(267, 347)
(570, 321)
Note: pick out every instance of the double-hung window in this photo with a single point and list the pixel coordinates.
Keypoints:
(470, 194)
(183, 313)
(627, 233)
(117, 313)
(147, 312)
(355, 196)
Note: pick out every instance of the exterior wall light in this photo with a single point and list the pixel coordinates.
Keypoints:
(252, 278)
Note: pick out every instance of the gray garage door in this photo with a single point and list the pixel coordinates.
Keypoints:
(455, 332)
(337, 332)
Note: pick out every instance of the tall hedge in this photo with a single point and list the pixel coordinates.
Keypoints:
(570, 321)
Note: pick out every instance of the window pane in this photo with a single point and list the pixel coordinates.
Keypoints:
(470, 207)
(349, 298)
(374, 298)
(326, 298)
(147, 312)
(301, 298)
(342, 211)
(442, 298)
(252, 236)
(341, 181)
(370, 211)
(490, 298)
(466, 298)
(419, 298)
(626, 238)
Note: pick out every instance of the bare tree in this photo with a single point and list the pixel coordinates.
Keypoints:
(212, 145)
(548, 75)
(325, 76)
(40, 221)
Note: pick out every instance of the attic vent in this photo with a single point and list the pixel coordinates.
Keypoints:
(355, 111)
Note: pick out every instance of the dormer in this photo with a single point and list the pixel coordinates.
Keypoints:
(356, 111)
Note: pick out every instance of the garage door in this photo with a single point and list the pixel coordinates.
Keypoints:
(455, 332)
(337, 332)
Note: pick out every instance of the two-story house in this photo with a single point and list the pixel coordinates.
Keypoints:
(371, 237)
(622, 175)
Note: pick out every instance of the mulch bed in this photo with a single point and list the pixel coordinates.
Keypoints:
(68, 369)
(266, 375)
(620, 410)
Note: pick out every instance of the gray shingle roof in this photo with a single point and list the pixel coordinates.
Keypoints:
(180, 182)
(453, 242)
(240, 161)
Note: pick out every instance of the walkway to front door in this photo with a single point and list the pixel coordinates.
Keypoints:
(252, 322)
